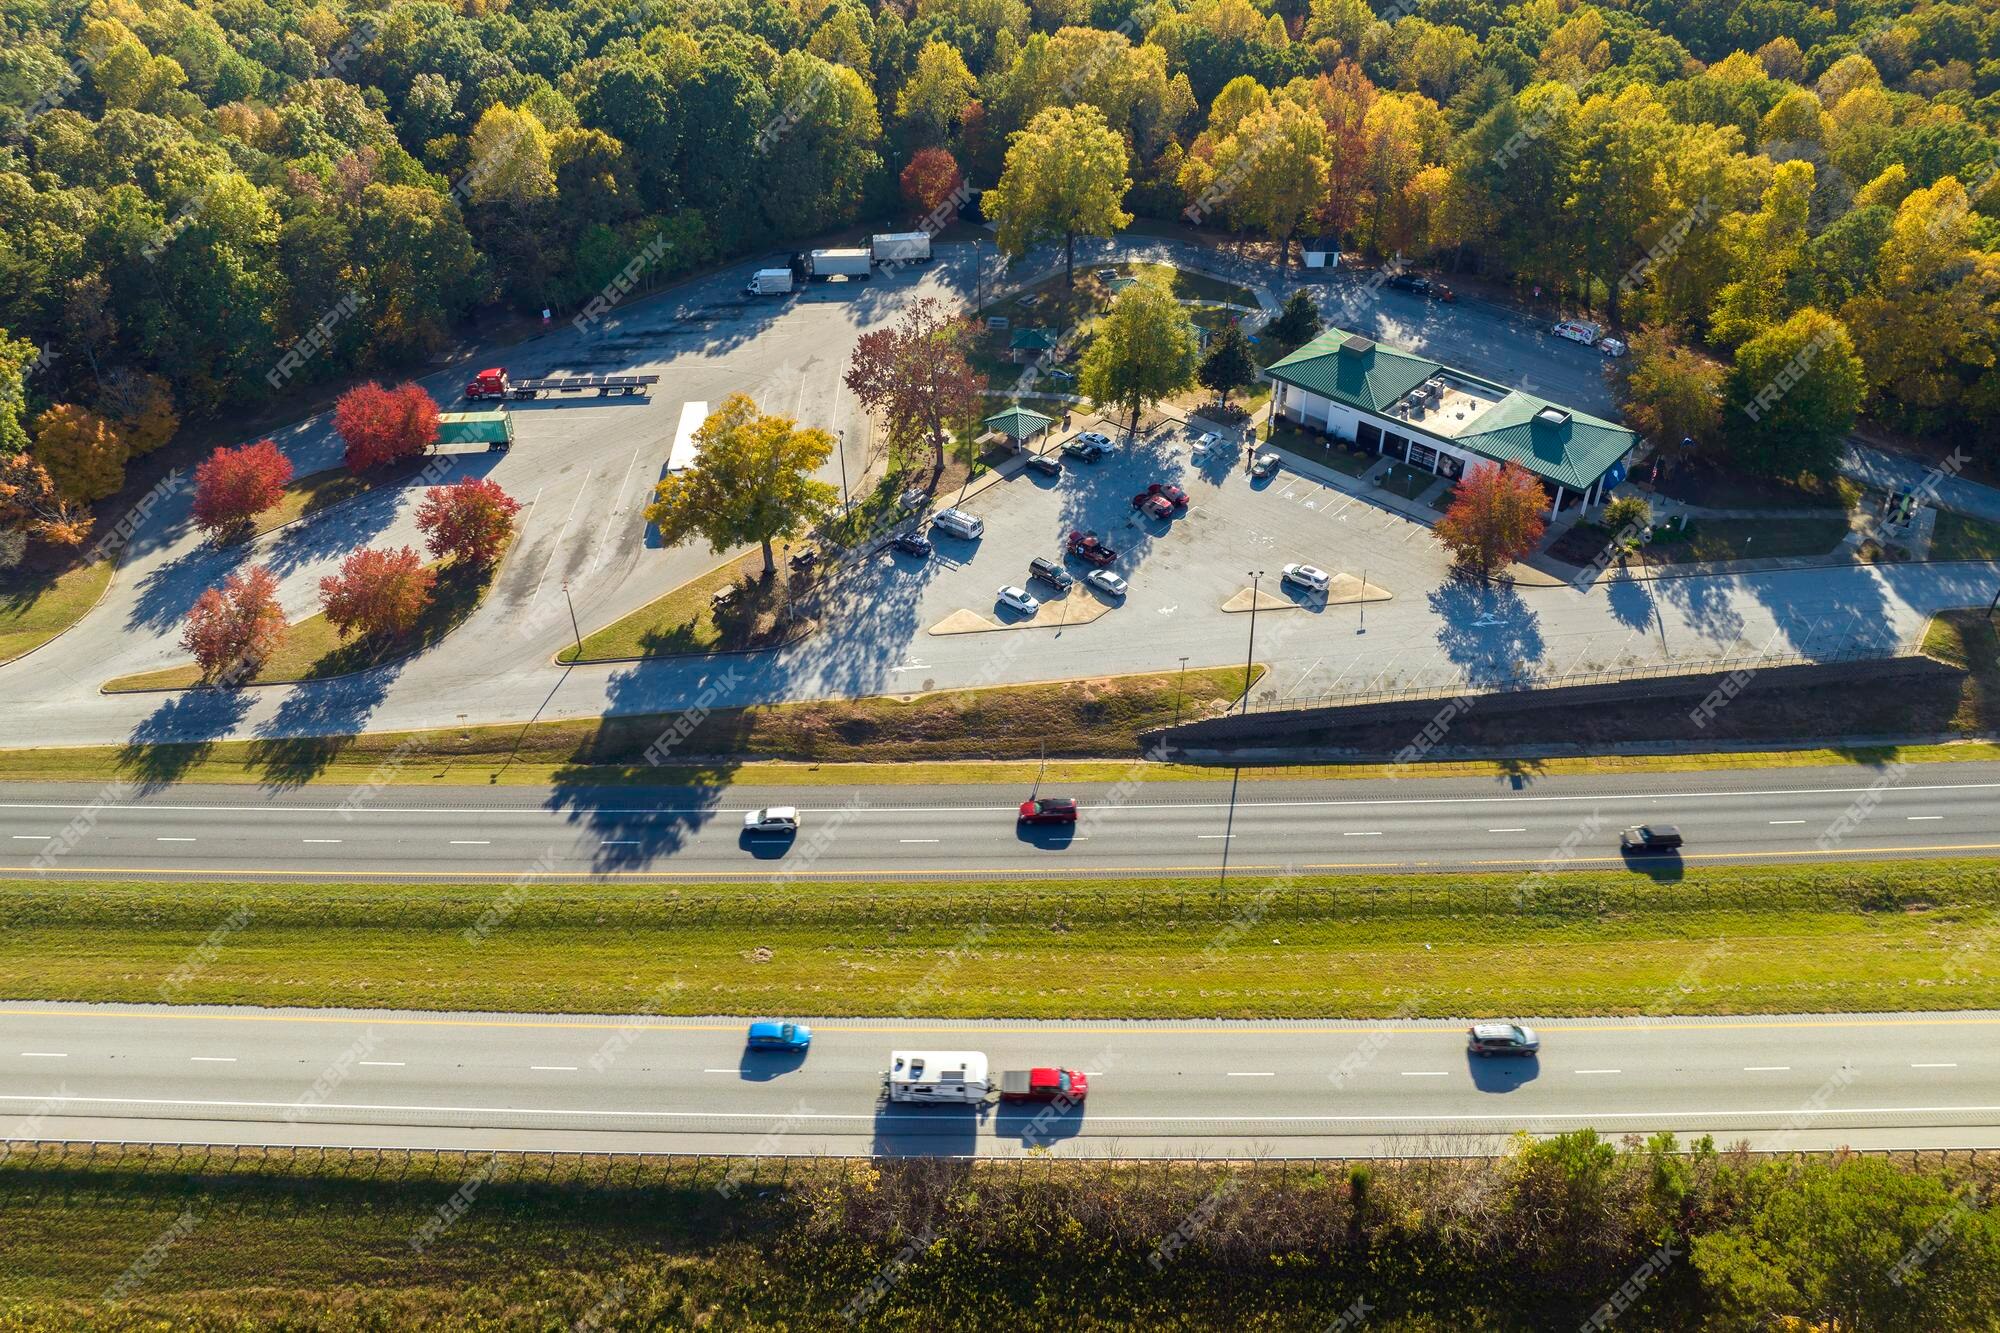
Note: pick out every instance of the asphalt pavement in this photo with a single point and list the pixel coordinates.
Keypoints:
(1168, 828)
(636, 1084)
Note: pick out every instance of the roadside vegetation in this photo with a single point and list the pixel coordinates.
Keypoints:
(729, 609)
(1704, 937)
(35, 606)
(1655, 1236)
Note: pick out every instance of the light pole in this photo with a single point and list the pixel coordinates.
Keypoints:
(1364, 603)
(841, 436)
(1256, 575)
(978, 276)
(574, 628)
(1180, 688)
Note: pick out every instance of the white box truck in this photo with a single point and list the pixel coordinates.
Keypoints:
(901, 247)
(946, 1077)
(850, 263)
(770, 282)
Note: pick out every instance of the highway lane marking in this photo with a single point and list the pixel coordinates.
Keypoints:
(1785, 821)
(1513, 798)
(721, 1071)
(1951, 1064)
(1251, 1073)
(554, 1069)
(472, 842)
(173, 840)
(1517, 830)
(1767, 1069)
(1597, 1071)
(1371, 833)
(45, 1055)
(1215, 835)
(1303, 1027)
(621, 842)
(1918, 817)
(320, 840)
(916, 840)
(1799, 854)
(32, 837)
(1426, 1073)
(869, 1117)
(213, 1059)
(381, 1064)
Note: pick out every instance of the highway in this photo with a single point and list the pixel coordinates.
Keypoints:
(374, 1079)
(1168, 828)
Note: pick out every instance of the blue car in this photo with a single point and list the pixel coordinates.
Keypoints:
(769, 1035)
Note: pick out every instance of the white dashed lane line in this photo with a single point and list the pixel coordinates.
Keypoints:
(554, 1069)
(45, 1055)
(1251, 1073)
(1767, 1069)
(1426, 1073)
(1940, 1064)
(1915, 818)
(213, 1059)
(1506, 830)
(381, 1064)
(472, 842)
(1597, 1071)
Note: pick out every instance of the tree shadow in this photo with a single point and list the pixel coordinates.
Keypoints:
(314, 724)
(179, 734)
(1630, 601)
(1488, 632)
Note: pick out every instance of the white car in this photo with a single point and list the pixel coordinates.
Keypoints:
(1206, 441)
(1310, 577)
(1105, 581)
(1580, 331)
(1612, 346)
(1020, 599)
(772, 819)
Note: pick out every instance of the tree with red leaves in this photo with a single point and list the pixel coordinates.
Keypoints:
(381, 426)
(235, 485)
(1495, 518)
(233, 630)
(915, 375)
(930, 179)
(468, 521)
(377, 592)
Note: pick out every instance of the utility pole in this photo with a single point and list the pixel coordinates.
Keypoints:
(1179, 689)
(574, 628)
(1256, 575)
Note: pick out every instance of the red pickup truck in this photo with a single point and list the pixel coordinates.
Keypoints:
(1043, 1085)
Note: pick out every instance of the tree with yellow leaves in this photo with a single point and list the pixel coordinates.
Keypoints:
(84, 454)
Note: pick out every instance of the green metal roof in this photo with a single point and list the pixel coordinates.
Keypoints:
(1033, 340)
(1571, 453)
(1369, 379)
(1019, 422)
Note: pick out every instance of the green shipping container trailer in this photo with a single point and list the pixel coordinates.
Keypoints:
(493, 429)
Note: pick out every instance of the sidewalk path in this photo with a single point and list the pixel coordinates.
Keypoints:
(1878, 467)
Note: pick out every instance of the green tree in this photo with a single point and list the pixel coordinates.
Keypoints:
(16, 355)
(935, 95)
(1792, 396)
(1144, 349)
(1298, 321)
(752, 481)
(1065, 176)
(1272, 172)
(1228, 366)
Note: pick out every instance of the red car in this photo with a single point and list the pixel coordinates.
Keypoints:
(1172, 493)
(1043, 1085)
(1085, 546)
(1152, 505)
(1049, 810)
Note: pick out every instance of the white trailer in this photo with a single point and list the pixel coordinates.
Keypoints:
(770, 282)
(901, 247)
(850, 263)
(949, 1077)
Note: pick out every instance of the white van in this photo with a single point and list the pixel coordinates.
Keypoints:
(958, 523)
(954, 1077)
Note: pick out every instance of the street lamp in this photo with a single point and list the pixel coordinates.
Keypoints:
(1180, 688)
(978, 276)
(841, 435)
(1255, 576)
(574, 628)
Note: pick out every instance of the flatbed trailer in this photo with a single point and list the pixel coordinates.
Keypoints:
(497, 384)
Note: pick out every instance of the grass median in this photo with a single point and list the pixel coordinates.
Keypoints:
(35, 608)
(1855, 937)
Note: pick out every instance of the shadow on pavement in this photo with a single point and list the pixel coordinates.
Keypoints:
(903, 1130)
(179, 735)
(1502, 1073)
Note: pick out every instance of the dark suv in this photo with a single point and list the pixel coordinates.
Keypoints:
(1641, 839)
(1051, 573)
(1410, 282)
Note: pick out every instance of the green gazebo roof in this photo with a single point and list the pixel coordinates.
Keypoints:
(1019, 422)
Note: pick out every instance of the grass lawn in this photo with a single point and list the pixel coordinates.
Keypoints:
(1859, 937)
(1958, 537)
(1722, 488)
(1185, 285)
(1746, 538)
(1325, 452)
(1968, 639)
(304, 497)
(1406, 481)
(36, 608)
(314, 650)
(687, 620)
